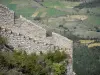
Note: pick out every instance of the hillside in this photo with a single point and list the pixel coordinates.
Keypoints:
(79, 20)
(29, 38)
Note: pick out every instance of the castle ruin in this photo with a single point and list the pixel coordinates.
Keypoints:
(25, 35)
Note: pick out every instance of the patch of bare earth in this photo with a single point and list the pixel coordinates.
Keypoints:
(76, 17)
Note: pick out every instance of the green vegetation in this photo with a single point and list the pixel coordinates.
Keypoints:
(3, 40)
(28, 8)
(26, 12)
(52, 4)
(20, 63)
(55, 12)
(6, 2)
(92, 20)
(86, 60)
(12, 6)
(33, 64)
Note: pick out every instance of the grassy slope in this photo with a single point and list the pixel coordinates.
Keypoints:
(84, 27)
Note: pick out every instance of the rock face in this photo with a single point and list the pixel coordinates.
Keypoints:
(26, 35)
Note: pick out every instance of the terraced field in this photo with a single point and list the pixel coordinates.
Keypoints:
(93, 45)
(86, 41)
(90, 43)
(29, 7)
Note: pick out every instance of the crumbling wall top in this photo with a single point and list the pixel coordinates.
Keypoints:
(6, 16)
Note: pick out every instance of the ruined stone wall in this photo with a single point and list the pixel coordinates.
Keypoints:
(25, 35)
(30, 44)
(6, 16)
(27, 26)
(19, 41)
(56, 42)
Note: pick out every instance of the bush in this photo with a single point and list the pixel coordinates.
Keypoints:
(37, 18)
(59, 69)
(3, 40)
(56, 56)
(33, 64)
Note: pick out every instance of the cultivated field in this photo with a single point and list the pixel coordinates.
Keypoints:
(80, 20)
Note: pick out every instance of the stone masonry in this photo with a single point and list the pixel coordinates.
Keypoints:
(25, 35)
(6, 16)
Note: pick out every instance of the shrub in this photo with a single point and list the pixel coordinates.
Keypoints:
(37, 18)
(56, 56)
(58, 68)
(33, 64)
(3, 62)
(3, 40)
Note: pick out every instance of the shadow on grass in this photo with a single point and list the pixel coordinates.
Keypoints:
(89, 4)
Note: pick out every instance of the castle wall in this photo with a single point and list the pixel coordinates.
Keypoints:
(6, 16)
(19, 41)
(56, 42)
(66, 45)
(25, 35)
(31, 28)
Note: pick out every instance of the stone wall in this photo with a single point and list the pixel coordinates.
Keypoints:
(19, 41)
(24, 25)
(56, 42)
(31, 44)
(24, 35)
(6, 16)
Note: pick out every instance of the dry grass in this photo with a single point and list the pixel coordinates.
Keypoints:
(79, 17)
(56, 7)
(93, 45)
(86, 41)
(35, 14)
(89, 43)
